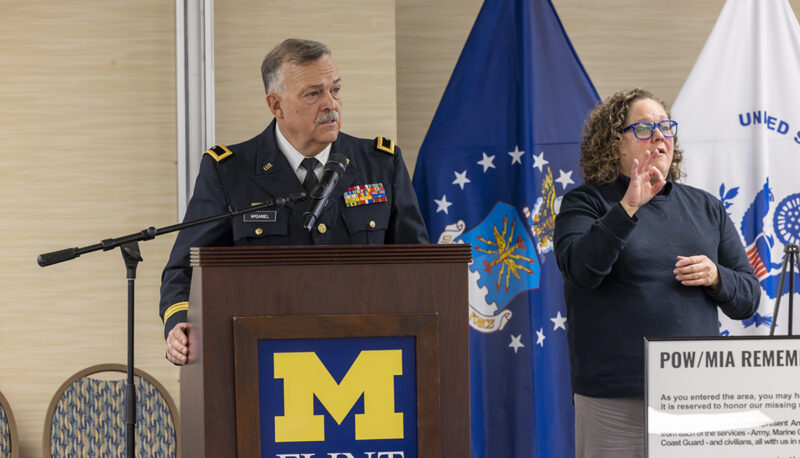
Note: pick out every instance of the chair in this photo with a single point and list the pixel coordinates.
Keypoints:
(9, 443)
(85, 416)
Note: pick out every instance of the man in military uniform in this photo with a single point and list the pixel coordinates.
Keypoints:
(372, 203)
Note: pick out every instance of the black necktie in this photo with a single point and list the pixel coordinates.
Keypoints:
(311, 180)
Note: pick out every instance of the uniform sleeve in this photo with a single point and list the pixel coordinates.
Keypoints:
(739, 292)
(208, 199)
(589, 236)
(405, 221)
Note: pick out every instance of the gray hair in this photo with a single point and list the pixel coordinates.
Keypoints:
(291, 50)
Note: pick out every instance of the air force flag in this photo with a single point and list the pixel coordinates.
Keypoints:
(499, 154)
(739, 114)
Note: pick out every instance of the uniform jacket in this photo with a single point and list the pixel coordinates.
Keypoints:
(255, 171)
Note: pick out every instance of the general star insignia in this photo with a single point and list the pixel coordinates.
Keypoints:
(505, 253)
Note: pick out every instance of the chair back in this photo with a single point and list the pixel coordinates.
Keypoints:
(86, 416)
(9, 443)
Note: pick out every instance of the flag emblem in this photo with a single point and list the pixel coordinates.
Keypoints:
(543, 216)
(504, 265)
(760, 245)
(502, 252)
(787, 219)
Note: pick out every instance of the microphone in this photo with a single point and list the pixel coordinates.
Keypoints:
(334, 169)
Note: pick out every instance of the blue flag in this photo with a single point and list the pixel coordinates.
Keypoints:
(500, 153)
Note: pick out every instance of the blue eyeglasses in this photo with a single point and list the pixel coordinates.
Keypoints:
(644, 130)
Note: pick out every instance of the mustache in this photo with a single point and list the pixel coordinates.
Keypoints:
(328, 116)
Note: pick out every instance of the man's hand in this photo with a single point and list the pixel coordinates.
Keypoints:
(646, 182)
(178, 344)
(697, 271)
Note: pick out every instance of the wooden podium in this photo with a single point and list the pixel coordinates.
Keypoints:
(373, 291)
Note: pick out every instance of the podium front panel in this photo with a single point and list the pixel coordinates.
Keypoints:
(366, 283)
(337, 384)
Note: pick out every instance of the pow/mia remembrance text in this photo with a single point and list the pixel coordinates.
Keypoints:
(729, 401)
(781, 433)
(722, 358)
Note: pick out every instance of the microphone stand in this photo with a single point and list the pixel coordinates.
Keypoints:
(129, 246)
(792, 258)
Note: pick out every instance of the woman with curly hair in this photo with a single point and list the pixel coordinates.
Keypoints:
(641, 255)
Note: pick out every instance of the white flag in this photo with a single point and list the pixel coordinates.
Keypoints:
(739, 126)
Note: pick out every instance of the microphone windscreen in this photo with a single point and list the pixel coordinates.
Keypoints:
(337, 161)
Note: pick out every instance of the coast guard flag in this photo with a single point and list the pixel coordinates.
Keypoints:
(500, 153)
(739, 125)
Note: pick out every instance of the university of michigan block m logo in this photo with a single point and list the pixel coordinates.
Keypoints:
(304, 376)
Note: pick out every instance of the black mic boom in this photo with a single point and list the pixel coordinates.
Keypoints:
(334, 169)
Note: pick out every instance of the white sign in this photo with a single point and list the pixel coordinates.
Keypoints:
(731, 397)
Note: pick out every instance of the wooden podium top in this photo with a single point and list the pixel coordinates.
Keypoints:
(330, 254)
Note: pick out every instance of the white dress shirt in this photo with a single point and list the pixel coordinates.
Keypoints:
(295, 158)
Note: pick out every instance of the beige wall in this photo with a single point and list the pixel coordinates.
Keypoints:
(360, 34)
(608, 39)
(430, 36)
(87, 120)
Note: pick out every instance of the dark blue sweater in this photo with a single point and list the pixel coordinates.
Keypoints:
(619, 285)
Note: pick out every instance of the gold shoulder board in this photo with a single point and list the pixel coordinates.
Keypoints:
(385, 145)
(219, 152)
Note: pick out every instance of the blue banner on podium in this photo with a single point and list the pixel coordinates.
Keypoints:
(338, 397)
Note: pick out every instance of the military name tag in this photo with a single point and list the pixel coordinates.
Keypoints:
(269, 216)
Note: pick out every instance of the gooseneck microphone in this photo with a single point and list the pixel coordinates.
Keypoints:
(334, 169)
